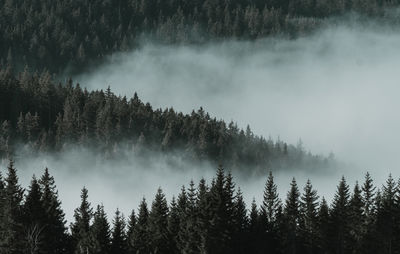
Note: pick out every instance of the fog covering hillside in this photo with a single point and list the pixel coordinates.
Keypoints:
(316, 99)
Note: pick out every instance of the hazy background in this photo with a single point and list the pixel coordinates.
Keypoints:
(338, 90)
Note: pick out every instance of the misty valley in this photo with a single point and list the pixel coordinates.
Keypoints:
(241, 126)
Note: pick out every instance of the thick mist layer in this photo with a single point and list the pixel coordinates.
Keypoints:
(123, 183)
(337, 90)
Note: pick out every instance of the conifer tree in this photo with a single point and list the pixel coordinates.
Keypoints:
(241, 225)
(11, 235)
(292, 219)
(57, 240)
(80, 228)
(323, 226)
(118, 241)
(268, 218)
(131, 228)
(309, 218)
(339, 224)
(356, 220)
(141, 237)
(173, 226)
(100, 232)
(158, 224)
(34, 218)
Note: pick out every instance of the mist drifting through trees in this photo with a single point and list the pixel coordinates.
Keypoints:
(154, 113)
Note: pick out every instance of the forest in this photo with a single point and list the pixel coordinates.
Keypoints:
(37, 115)
(204, 218)
(72, 36)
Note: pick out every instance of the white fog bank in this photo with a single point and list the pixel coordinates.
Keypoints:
(338, 90)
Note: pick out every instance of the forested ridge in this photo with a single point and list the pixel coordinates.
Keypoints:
(204, 218)
(59, 34)
(37, 115)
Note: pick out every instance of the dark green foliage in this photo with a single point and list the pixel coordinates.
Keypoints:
(11, 234)
(49, 117)
(158, 224)
(205, 220)
(100, 232)
(54, 231)
(81, 227)
(140, 239)
(118, 242)
(56, 34)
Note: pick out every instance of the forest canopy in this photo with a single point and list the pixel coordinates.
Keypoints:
(44, 117)
(72, 35)
(204, 217)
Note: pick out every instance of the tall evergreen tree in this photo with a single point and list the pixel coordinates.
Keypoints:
(141, 237)
(339, 224)
(81, 227)
(118, 242)
(158, 224)
(100, 232)
(292, 219)
(309, 218)
(11, 235)
(34, 218)
(55, 231)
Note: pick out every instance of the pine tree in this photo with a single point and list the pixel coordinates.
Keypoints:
(292, 219)
(118, 241)
(356, 220)
(386, 216)
(219, 232)
(34, 218)
(158, 224)
(11, 235)
(323, 226)
(339, 224)
(55, 230)
(309, 218)
(141, 238)
(131, 229)
(268, 218)
(241, 225)
(80, 228)
(100, 232)
(173, 226)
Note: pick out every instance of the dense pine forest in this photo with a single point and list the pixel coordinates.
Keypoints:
(76, 34)
(204, 218)
(37, 115)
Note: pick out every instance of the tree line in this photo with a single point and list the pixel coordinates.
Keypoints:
(46, 117)
(204, 218)
(56, 34)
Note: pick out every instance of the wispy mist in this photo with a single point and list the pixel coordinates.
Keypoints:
(337, 90)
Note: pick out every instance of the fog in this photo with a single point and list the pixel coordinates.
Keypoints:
(338, 90)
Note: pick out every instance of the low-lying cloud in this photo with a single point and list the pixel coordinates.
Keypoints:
(338, 90)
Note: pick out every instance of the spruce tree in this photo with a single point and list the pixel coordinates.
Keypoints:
(81, 227)
(12, 236)
(34, 218)
(141, 237)
(158, 224)
(118, 242)
(100, 232)
(339, 224)
(386, 214)
(131, 228)
(309, 218)
(268, 218)
(292, 219)
(241, 225)
(356, 220)
(173, 226)
(55, 231)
